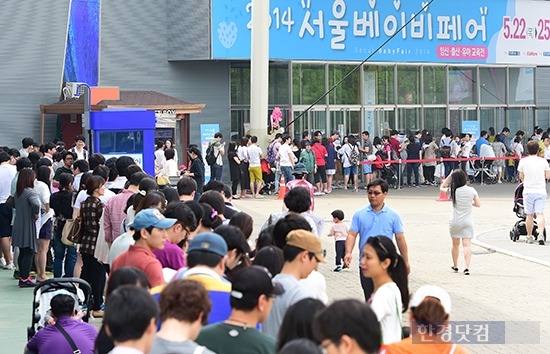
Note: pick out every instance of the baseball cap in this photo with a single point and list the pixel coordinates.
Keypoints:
(251, 282)
(306, 240)
(432, 291)
(151, 217)
(307, 142)
(208, 242)
(336, 132)
(299, 169)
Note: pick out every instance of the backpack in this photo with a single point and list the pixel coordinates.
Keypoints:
(271, 153)
(354, 156)
(445, 150)
(210, 157)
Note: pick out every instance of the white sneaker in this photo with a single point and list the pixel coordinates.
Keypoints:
(499, 181)
(9, 266)
(530, 239)
(2, 262)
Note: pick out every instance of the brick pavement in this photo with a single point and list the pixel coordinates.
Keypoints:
(500, 287)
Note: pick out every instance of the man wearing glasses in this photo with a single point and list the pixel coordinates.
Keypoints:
(171, 256)
(372, 220)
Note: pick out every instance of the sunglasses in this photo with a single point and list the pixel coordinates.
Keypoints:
(370, 192)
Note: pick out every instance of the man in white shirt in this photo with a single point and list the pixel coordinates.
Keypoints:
(255, 155)
(286, 159)
(27, 147)
(533, 172)
(302, 254)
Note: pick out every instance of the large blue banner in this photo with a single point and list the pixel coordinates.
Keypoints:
(471, 31)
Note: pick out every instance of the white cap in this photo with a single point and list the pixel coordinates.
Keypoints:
(432, 291)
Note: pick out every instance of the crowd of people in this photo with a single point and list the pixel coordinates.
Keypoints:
(185, 256)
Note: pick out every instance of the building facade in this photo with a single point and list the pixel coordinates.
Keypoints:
(483, 61)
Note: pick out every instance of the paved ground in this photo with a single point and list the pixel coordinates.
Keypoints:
(500, 288)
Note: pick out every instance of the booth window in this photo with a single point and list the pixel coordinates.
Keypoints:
(121, 142)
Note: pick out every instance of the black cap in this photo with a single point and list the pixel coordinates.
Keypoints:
(251, 282)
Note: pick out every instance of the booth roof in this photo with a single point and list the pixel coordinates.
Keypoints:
(150, 100)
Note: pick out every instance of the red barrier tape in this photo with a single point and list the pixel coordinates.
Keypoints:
(453, 159)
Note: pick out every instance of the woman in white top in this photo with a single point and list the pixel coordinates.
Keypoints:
(461, 225)
(242, 153)
(168, 144)
(169, 166)
(42, 186)
(381, 262)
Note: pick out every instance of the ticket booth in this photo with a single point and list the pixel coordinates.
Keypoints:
(125, 132)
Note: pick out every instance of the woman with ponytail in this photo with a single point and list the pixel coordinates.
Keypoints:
(381, 262)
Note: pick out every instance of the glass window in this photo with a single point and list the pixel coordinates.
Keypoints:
(434, 85)
(409, 120)
(492, 85)
(240, 85)
(379, 84)
(434, 120)
(308, 83)
(543, 117)
(462, 88)
(348, 91)
(238, 127)
(121, 142)
(522, 83)
(408, 84)
(278, 85)
(353, 122)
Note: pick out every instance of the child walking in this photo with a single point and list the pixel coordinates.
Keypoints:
(339, 230)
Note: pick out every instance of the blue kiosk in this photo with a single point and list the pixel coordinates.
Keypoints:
(125, 132)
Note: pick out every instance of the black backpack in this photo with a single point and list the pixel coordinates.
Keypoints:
(445, 150)
(210, 157)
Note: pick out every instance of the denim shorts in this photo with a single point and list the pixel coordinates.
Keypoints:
(352, 169)
(534, 203)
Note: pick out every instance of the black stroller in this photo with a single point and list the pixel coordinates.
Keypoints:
(520, 228)
(45, 291)
(268, 176)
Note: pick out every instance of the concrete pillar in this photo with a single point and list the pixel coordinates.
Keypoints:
(259, 71)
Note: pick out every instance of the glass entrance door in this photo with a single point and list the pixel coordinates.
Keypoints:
(520, 119)
(311, 121)
(459, 115)
(490, 119)
(379, 121)
(347, 121)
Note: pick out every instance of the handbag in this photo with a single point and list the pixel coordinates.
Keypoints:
(72, 232)
(162, 180)
(10, 201)
(371, 157)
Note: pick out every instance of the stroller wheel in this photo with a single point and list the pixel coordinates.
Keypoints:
(512, 236)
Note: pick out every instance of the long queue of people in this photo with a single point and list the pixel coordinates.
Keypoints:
(197, 261)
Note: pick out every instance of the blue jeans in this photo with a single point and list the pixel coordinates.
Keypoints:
(59, 255)
(287, 172)
(449, 166)
(413, 167)
(216, 172)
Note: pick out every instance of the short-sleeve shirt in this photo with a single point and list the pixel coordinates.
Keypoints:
(533, 168)
(141, 258)
(254, 155)
(50, 340)
(60, 171)
(284, 155)
(386, 305)
(162, 346)
(339, 231)
(224, 338)
(171, 256)
(368, 144)
(44, 194)
(294, 292)
(320, 154)
(368, 222)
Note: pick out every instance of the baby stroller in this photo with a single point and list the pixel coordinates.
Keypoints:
(520, 228)
(268, 176)
(388, 174)
(45, 291)
(482, 173)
